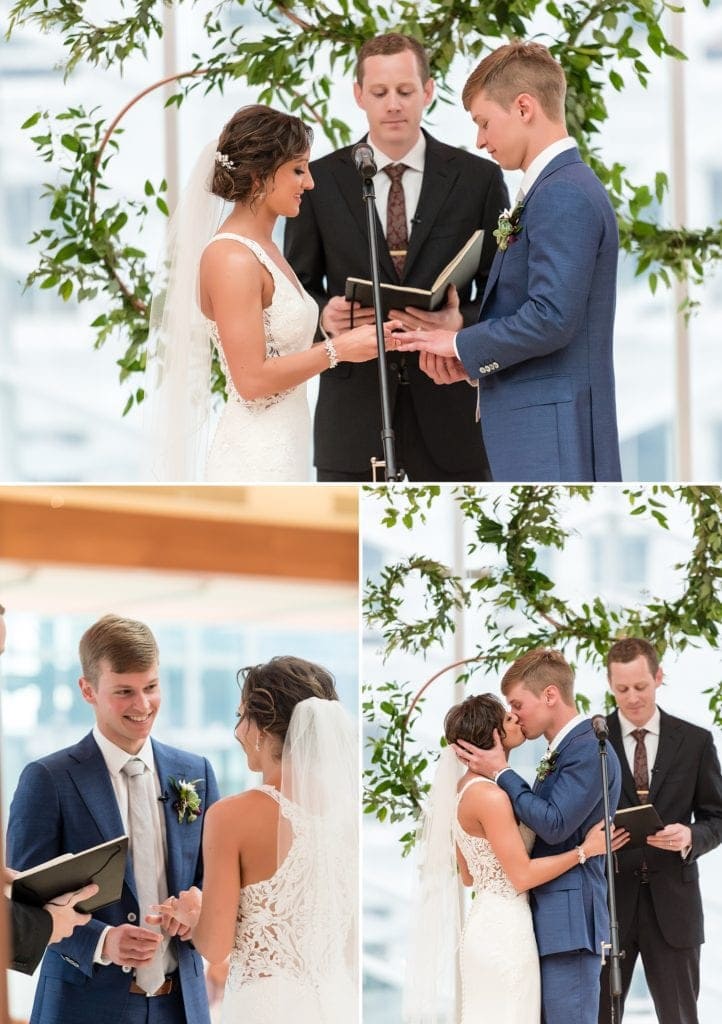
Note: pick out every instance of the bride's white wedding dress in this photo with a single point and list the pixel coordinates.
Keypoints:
(287, 963)
(267, 439)
(499, 961)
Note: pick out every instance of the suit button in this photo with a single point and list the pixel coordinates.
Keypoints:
(482, 369)
(127, 970)
(132, 917)
(394, 367)
(495, 366)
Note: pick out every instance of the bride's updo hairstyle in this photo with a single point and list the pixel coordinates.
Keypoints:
(474, 721)
(270, 692)
(251, 148)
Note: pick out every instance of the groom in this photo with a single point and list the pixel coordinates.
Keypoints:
(118, 780)
(542, 351)
(571, 918)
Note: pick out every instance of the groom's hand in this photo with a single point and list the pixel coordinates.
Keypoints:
(482, 762)
(439, 343)
(130, 946)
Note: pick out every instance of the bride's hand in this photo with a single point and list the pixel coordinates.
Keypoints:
(594, 843)
(359, 345)
(179, 914)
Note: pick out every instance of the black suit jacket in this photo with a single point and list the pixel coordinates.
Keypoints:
(686, 787)
(30, 931)
(328, 242)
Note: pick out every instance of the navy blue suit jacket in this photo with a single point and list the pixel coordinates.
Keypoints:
(569, 912)
(65, 803)
(542, 350)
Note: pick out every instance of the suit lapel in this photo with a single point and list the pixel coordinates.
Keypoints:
(671, 737)
(440, 175)
(171, 763)
(92, 780)
(569, 156)
(349, 186)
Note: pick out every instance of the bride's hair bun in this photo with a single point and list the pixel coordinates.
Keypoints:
(475, 719)
(270, 692)
(251, 148)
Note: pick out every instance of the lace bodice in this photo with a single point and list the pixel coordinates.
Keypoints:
(289, 323)
(485, 869)
(279, 930)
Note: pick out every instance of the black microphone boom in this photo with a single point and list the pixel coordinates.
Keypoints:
(363, 157)
(599, 724)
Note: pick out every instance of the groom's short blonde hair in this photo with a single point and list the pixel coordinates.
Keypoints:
(538, 669)
(124, 645)
(515, 68)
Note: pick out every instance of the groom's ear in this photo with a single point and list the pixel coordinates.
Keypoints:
(87, 690)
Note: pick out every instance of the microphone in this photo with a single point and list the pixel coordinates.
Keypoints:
(416, 220)
(599, 724)
(163, 799)
(363, 157)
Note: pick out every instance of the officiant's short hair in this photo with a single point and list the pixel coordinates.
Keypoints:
(389, 44)
(629, 648)
(538, 669)
(126, 645)
(515, 68)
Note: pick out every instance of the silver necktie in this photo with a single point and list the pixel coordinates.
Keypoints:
(141, 811)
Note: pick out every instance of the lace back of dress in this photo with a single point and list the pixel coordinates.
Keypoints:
(485, 869)
(281, 933)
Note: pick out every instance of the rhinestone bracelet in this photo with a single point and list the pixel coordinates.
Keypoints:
(331, 353)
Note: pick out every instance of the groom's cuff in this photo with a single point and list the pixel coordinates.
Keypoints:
(496, 776)
(98, 958)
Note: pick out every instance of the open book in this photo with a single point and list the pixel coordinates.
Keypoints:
(103, 864)
(458, 272)
(640, 821)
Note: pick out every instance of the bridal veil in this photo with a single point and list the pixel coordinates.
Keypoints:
(178, 372)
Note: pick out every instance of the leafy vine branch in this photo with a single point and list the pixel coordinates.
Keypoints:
(86, 251)
(509, 530)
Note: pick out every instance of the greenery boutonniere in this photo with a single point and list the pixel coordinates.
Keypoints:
(508, 226)
(547, 765)
(187, 803)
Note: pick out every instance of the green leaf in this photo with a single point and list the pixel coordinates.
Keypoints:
(32, 120)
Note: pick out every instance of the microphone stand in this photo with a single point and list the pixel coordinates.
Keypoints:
(615, 954)
(387, 433)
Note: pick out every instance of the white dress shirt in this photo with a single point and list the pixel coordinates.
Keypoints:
(542, 160)
(410, 182)
(115, 758)
(651, 740)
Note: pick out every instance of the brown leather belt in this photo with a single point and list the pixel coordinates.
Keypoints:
(165, 989)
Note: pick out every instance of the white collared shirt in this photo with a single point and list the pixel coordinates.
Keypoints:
(651, 740)
(410, 182)
(115, 758)
(572, 724)
(542, 160)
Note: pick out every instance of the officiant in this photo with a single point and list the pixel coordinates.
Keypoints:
(430, 198)
(32, 929)
(673, 765)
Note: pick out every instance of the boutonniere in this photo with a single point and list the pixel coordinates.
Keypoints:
(547, 765)
(508, 226)
(187, 803)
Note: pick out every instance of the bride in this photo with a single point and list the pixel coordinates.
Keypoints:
(226, 292)
(280, 860)
(469, 824)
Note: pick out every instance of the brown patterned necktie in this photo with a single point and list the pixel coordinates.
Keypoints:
(641, 768)
(397, 237)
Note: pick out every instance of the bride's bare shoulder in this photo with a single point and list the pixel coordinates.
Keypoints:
(238, 809)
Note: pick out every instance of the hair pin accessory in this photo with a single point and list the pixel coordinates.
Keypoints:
(224, 160)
